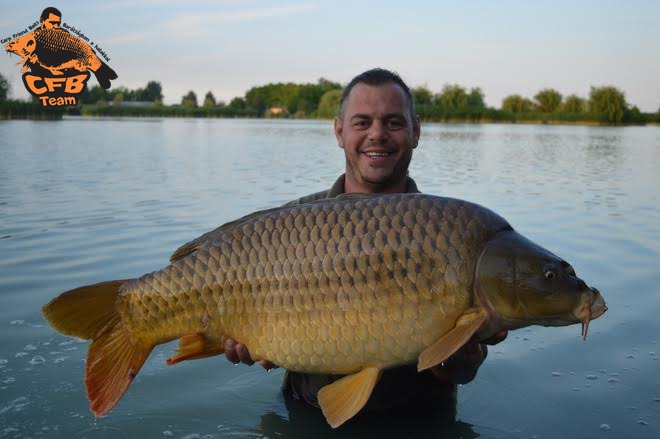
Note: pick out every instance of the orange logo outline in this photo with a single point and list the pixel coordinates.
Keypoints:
(59, 62)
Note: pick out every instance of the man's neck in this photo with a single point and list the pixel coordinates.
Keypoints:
(398, 187)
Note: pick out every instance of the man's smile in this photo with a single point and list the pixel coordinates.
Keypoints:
(378, 155)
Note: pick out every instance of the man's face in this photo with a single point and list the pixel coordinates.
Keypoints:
(377, 133)
(52, 22)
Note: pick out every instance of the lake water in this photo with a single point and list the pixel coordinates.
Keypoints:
(86, 200)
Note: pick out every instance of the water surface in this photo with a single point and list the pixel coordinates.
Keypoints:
(86, 200)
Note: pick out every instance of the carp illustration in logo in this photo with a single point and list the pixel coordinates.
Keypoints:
(56, 59)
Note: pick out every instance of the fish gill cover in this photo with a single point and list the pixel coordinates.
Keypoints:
(58, 61)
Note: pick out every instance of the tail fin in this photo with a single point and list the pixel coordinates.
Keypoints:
(104, 74)
(113, 359)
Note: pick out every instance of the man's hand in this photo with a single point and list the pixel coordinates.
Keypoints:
(461, 368)
(238, 353)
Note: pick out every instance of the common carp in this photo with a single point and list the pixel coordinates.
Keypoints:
(352, 285)
(56, 50)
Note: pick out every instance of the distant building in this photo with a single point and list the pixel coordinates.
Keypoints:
(277, 112)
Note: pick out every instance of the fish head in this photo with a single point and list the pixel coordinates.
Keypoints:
(23, 46)
(521, 283)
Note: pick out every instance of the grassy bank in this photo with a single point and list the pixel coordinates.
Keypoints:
(30, 110)
(488, 115)
(13, 109)
(163, 111)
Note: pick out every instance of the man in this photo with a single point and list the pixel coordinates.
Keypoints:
(51, 18)
(378, 129)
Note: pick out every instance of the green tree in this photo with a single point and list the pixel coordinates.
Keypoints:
(516, 104)
(209, 100)
(237, 104)
(94, 94)
(609, 102)
(153, 92)
(573, 104)
(547, 100)
(118, 98)
(422, 95)
(4, 88)
(255, 99)
(124, 93)
(297, 99)
(189, 100)
(633, 115)
(329, 104)
(305, 100)
(475, 99)
(452, 97)
(327, 85)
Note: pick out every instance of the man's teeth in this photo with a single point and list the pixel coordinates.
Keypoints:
(378, 154)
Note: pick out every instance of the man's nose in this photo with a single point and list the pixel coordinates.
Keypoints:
(377, 131)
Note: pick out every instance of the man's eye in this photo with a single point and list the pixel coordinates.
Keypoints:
(360, 124)
(395, 124)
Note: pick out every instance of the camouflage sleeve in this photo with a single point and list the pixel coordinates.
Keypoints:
(307, 198)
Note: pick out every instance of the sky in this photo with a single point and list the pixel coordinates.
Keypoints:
(227, 47)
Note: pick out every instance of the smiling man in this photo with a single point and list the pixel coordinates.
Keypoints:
(51, 18)
(378, 129)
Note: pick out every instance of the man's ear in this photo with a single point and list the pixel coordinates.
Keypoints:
(417, 131)
(339, 128)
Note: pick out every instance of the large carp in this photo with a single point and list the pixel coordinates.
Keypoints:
(352, 285)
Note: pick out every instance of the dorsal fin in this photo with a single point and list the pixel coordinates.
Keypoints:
(193, 245)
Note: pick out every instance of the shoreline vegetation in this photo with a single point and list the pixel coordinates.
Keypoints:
(604, 105)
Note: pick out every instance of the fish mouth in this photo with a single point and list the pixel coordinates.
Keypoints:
(593, 306)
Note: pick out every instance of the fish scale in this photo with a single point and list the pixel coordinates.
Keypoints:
(360, 263)
(71, 50)
(58, 39)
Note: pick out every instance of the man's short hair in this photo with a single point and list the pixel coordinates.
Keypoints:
(378, 76)
(50, 10)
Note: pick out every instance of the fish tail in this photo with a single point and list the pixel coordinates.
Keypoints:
(113, 359)
(104, 74)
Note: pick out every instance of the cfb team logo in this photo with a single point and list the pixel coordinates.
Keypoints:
(59, 62)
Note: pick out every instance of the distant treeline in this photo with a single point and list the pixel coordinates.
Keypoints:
(271, 100)
(454, 103)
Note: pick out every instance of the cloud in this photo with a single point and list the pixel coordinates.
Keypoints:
(126, 4)
(196, 24)
(126, 38)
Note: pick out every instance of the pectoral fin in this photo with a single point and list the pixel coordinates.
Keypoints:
(341, 400)
(466, 325)
(193, 346)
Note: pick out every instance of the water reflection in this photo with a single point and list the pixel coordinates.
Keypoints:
(298, 420)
